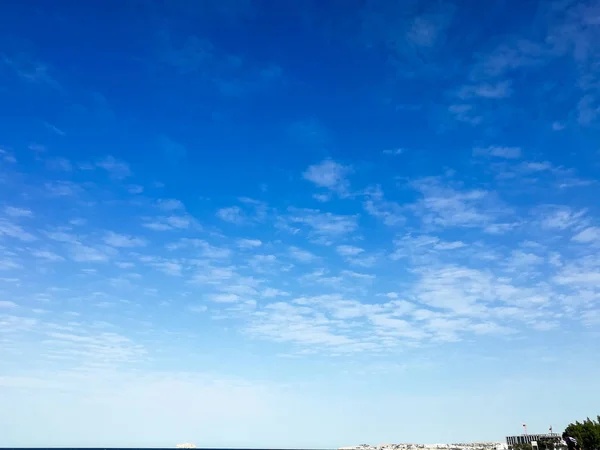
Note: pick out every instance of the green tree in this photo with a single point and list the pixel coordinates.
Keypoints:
(547, 443)
(522, 447)
(587, 433)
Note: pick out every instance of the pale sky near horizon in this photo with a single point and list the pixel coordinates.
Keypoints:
(308, 223)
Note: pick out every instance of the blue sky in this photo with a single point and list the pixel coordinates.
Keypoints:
(287, 224)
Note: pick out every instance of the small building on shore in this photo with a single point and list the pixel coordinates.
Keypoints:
(535, 440)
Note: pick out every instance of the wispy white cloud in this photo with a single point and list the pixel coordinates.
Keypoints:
(93, 348)
(393, 151)
(167, 223)
(588, 236)
(537, 166)
(363, 260)
(77, 221)
(62, 189)
(501, 228)
(249, 243)
(117, 169)
(6, 304)
(121, 240)
(330, 175)
(135, 189)
(423, 32)
(423, 248)
(13, 230)
(520, 260)
(47, 255)
(54, 129)
(301, 255)
(60, 164)
(322, 197)
(274, 293)
(204, 248)
(375, 204)
(198, 308)
(18, 212)
(449, 245)
(499, 152)
(225, 298)
(322, 223)
(170, 204)
(464, 112)
(15, 324)
(62, 236)
(562, 217)
(501, 89)
(7, 156)
(78, 248)
(172, 268)
(157, 226)
(8, 263)
(349, 250)
(85, 253)
(179, 221)
(428, 28)
(507, 57)
(232, 214)
(445, 206)
(252, 212)
(31, 70)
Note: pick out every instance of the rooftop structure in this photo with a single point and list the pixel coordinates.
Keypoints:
(533, 439)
